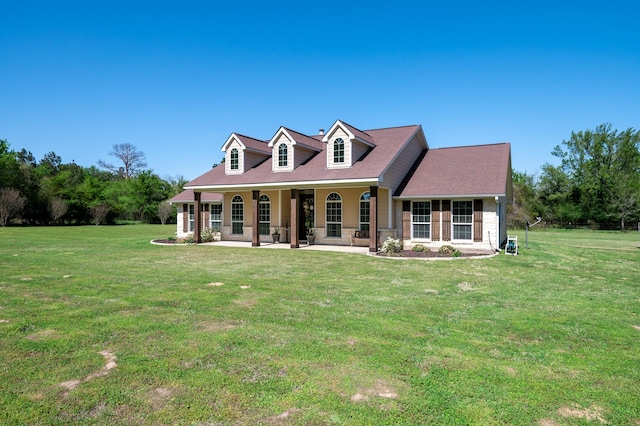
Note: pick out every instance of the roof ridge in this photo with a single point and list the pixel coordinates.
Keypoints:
(251, 137)
(354, 127)
(472, 146)
(393, 127)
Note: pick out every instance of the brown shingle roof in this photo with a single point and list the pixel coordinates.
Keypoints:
(305, 140)
(388, 143)
(358, 133)
(187, 196)
(254, 144)
(481, 170)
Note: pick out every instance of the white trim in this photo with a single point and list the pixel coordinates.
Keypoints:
(430, 223)
(445, 197)
(339, 183)
(235, 137)
(390, 208)
(352, 137)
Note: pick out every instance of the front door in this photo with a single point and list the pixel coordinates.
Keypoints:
(305, 218)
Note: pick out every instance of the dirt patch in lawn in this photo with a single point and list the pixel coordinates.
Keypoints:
(159, 397)
(381, 389)
(577, 412)
(217, 326)
(110, 364)
(40, 335)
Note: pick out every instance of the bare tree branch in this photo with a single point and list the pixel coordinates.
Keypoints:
(11, 202)
(133, 161)
(57, 208)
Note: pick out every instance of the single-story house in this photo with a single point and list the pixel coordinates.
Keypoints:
(350, 186)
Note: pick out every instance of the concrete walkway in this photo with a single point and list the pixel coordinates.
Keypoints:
(280, 246)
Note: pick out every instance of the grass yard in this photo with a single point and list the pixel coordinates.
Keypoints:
(97, 326)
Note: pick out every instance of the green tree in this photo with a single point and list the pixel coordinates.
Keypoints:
(598, 162)
(525, 205)
(8, 165)
(558, 196)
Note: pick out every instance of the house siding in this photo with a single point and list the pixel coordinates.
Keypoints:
(276, 157)
(396, 173)
(227, 162)
(339, 133)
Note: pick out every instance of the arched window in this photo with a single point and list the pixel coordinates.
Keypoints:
(283, 155)
(334, 215)
(364, 211)
(264, 215)
(234, 159)
(237, 214)
(338, 151)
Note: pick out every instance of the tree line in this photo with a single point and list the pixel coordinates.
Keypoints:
(49, 191)
(596, 184)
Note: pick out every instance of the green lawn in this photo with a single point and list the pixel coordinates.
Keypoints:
(97, 326)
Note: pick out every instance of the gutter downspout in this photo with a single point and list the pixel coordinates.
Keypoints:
(497, 223)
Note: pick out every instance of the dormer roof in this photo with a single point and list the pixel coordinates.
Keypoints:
(248, 143)
(354, 134)
(296, 138)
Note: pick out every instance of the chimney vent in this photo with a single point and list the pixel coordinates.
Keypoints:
(321, 132)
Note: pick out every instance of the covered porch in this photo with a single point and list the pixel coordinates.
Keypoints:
(297, 211)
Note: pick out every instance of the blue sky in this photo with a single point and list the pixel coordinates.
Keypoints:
(175, 79)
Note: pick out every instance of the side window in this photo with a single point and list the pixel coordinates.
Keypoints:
(462, 220)
(334, 215)
(216, 217)
(237, 215)
(264, 215)
(283, 155)
(421, 219)
(234, 159)
(338, 151)
(364, 211)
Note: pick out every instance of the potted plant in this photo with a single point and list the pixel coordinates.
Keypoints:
(311, 236)
(216, 233)
(276, 234)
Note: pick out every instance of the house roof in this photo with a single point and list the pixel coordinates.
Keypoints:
(388, 142)
(480, 170)
(187, 196)
(250, 143)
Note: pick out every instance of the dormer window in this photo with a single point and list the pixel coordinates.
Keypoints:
(283, 155)
(338, 151)
(234, 159)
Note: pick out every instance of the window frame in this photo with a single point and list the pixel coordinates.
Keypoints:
(283, 155)
(364, 211)
(333, 215)
(192, 218)
(416, 222)
(234, 159)
(338, 151)
(216, 224)
(264, 215)
(237, 215)
(467, 224)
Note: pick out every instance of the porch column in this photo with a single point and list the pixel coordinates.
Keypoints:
(197, 220)
(295, 198)
(373, 219)
(255, 231)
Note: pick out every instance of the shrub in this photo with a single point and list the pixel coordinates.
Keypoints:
(420, 248)
(206, 235)
(189, 239)
(447, 249)
(391, 246)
